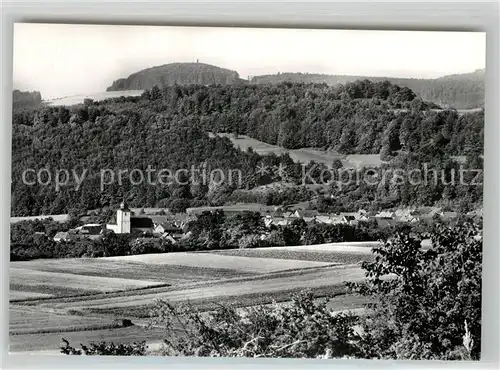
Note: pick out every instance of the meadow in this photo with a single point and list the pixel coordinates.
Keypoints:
(78, 99)
(304, 155)
(58, 218)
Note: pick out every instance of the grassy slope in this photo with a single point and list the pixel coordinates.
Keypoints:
(304, 155)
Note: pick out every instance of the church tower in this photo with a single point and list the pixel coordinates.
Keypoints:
(123, 219)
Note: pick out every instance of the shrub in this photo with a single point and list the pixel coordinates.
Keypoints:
(105, 349)
(424, 297)
(249, 241)
(305, 328)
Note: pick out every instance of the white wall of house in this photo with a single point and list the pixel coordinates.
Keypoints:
(122, 225)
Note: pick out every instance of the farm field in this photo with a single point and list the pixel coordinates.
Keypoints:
(240, 263)
(350, 247)
(89, 295)
(78, 99)
(57, 218)
(15, 294)
(303, 155)
(106, 267)
(25, 279)
(300, 255)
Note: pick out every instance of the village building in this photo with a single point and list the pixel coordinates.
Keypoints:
(325, 219)
(169, 230)
(388, 215)
(349, 219)
(127, 224)
(62, 236)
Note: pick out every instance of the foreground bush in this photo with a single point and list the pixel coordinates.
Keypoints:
(305, 328)
(431, 307)
(105, 349)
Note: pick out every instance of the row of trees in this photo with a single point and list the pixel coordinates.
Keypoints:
(28, 246)
(210, 230)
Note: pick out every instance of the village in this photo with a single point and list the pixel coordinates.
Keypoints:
(161, 223)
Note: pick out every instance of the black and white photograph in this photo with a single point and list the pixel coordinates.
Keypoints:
(246, 192)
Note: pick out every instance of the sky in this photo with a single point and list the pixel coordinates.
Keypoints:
(62, 59)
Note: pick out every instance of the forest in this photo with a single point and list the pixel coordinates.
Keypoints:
(167, 128)
(26, 99)
(460, 91)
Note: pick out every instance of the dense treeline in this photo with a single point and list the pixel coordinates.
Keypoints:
(212, 230)
(93, 138)
(26, 99)
(460, 91)
(167, 129)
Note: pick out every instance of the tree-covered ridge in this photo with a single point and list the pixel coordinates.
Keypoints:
(362, 117)
(94, 138)
(177, 73)
(26, 99)
(460, 91)
(167, 128)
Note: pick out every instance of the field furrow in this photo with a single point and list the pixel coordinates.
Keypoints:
(245, 264)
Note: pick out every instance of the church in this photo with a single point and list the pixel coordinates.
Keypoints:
(127, 224)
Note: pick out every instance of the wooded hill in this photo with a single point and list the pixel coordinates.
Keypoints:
(460, 91)
(177, 73)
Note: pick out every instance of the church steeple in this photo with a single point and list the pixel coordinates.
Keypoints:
(123, 219)
(124, 207)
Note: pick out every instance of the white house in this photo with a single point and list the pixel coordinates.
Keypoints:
(385, 214)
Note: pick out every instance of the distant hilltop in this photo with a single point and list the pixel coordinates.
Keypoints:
(460, 91)
(177, 73)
